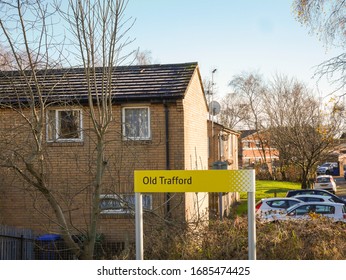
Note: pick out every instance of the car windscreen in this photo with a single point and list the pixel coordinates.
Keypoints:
(322, 180)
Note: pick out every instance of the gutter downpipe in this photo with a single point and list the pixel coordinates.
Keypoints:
(168, 195)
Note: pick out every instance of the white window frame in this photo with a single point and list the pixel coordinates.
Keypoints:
(221, 147)
(230, 146)
(247, 145)
(56, 137)
(123, 201)
(126, 137)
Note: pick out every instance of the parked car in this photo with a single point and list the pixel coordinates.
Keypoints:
(335, 198)
(275, 205)
(314, 198)
(325, 182)
(304, 210)
(326, 168)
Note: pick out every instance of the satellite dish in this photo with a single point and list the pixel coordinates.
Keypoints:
(214, 108)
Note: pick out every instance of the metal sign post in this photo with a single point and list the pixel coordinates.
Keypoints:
(251, 225)
(139, 226)
(157, 181)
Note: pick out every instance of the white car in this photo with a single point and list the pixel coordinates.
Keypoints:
(314, 198)
(325, 182)
(273, 206)
(305, 210)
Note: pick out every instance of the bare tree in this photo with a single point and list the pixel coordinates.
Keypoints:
(235, 111)
(250, 89)
(326, 18)
(301, 131)
(143, 57)
(5, 59)
(26, 32)
(99, 29)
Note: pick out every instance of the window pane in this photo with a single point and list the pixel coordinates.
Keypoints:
(130, 201)
(69, 124)
(221, 144)
(147, 202)
(303, 210)
(110, 204)
(323, 179)
(230, 142)
(123, 203)
(64, 125)
(325, 209)
(136, 123)
(278, 204)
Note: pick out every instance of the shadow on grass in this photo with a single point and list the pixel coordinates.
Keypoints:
(278, 190)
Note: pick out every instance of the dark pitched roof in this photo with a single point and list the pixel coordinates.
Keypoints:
(246, 133)
(224, 128)
(140, 82)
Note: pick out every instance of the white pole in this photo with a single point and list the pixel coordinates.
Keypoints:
(251, 225)
(139, 226)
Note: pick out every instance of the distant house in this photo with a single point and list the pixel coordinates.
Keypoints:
(256, 149)
(223, 154)
(159, 122)
(338, 154)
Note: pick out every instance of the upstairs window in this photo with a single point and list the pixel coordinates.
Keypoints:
(221, 146)
(136, 123)
(230, 146)
(122, 203)
(258, 144)
(64, 125)
(247, 144)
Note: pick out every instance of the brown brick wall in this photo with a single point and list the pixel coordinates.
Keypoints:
(196, 145)
(230, 198)
(70, 168)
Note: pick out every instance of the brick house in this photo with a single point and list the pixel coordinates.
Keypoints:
(255, 149)
(159, 122)
(223, 154)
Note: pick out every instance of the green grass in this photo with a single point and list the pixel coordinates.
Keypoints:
(267, 189)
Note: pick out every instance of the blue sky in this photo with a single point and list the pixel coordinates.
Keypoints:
(231, 36)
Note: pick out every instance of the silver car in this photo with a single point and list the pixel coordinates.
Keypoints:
(326, 168)
(273, 206)
(307, 210)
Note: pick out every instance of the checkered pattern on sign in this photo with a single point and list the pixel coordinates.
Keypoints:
(242, 180)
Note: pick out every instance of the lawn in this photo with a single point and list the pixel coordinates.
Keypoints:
(266, 189)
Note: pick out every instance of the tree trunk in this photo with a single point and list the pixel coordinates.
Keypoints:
(305, 179)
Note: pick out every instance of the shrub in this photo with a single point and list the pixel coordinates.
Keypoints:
(316, 239)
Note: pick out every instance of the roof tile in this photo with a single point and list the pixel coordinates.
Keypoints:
(158, 81)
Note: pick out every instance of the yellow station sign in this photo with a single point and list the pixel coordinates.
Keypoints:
(194, 181)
